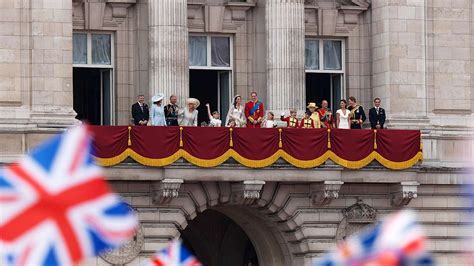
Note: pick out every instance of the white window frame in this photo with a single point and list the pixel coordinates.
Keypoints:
(209, 52)
(89, 50)
(111, 67)
(321, 56)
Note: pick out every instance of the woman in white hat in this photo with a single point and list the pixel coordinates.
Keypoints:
(189, 116)
(157, 112)
(236, 113)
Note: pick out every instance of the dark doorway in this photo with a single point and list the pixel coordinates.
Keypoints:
(216, 240)
(213, 87)
(324, 86)
(92, 95)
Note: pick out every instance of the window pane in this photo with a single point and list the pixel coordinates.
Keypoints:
(220, 51)
(197, 51)
(79, 48)
(332, 55)
(311, 54)
(101, 54)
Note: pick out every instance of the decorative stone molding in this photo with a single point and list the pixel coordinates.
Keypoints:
(323, 193)
(217, 18)
(127, 252)
(166, 190)
(92, 14)
(247, 192)
(403, 193)
(360, 213)
(340, 19)
(356, 218)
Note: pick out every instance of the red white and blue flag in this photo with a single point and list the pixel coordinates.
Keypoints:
(56, 207)
(175, 254)
(399, 240)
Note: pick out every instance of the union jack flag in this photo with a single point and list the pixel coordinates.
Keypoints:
(56, 207)
(399, 240)
(175, 254)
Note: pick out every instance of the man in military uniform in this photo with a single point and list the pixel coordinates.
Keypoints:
(357, 114)
(254, 111)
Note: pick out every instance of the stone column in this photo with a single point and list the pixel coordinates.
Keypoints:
(285, 31)
(168, 40)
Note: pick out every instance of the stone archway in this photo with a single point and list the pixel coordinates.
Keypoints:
(234, 235)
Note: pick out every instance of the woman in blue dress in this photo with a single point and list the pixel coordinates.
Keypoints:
(157, 112)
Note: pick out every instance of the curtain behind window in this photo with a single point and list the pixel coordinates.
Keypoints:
(311, 54)
(101, 53)
(332, 55)
(79, 48)
(197, 51)
(220, 51)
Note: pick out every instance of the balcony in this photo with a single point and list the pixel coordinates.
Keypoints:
(257, 148)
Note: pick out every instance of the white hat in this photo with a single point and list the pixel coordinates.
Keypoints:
(193, 101)
(157, 98)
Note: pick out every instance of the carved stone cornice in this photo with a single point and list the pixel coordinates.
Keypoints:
(323, 193)
(165, 190)
(404, 192)
(247, 192)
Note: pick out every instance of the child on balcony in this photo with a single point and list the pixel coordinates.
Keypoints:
(214, 118)
(291, 121)
(307, 121)
(269, 122)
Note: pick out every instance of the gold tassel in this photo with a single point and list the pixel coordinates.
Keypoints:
(280, 143)
(231, 144)
(375, 139)
(129, 139)
(329, 138)
(181, 137)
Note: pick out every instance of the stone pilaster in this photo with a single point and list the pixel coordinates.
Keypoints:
(168, 40)
(399, 61)
(285, 54)
(36, 63)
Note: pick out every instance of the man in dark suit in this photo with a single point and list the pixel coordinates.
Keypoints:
(377, 115)
(140, 112)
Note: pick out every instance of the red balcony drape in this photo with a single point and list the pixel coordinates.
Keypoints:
(256, 148)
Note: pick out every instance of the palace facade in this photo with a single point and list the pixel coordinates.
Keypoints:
(62, 61)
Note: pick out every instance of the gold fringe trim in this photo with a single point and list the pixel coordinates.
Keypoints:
(156, 162)
(256, 163)
(280, 143)
(375, 139)
(329, 138)
(231, 153)
(129, 138)
(352, 164)
(113, 160)
(399, 165)
(302, 163)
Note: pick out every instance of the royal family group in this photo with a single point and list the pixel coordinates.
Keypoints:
(252, 114)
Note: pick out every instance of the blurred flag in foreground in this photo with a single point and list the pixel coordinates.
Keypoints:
(174, 255)
(56, 207)
(398, 240)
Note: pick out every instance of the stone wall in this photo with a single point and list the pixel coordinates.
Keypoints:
(35, 63)
(303, 231)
